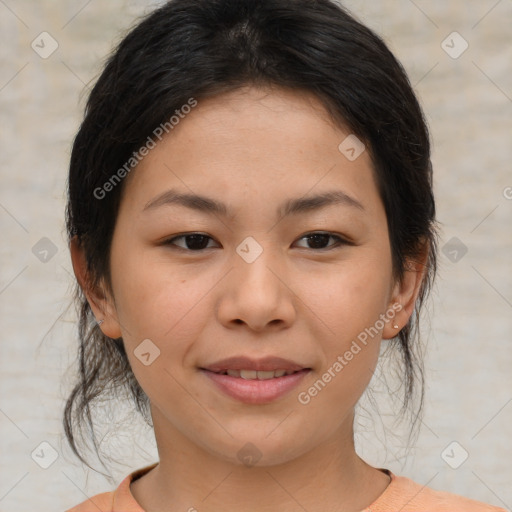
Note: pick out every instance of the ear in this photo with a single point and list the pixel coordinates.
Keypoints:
(406, 292)
(101, 303)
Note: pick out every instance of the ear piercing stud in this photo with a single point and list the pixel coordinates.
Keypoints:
(101, 321)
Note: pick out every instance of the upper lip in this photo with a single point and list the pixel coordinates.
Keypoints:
(245, 363)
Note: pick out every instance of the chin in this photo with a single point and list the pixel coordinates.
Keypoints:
(252, 449)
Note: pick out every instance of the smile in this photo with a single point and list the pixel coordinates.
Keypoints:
(255, 387)
(253, 374)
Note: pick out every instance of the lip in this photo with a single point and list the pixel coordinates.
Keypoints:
(254, 391)
(246, 363)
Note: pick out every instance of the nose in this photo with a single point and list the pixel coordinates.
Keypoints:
(257, 293)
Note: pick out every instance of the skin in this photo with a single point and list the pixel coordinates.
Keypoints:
(252, 149)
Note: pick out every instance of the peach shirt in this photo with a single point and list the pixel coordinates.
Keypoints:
(401, 495)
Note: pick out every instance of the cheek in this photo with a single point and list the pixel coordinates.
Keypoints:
(349, 298)
(165, 309)
(350, 306)
(153, 299)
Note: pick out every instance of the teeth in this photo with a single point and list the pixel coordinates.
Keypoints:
(248, 374)
(266, 375)
(260, 375)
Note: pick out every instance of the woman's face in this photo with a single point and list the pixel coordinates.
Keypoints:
(257, 283)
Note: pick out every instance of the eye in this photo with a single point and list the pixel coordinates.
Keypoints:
(196, 242)
(319, 239)
(193, 241)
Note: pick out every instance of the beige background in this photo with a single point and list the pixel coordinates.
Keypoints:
(468, 101)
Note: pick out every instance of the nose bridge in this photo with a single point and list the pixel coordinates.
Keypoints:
(256, 258)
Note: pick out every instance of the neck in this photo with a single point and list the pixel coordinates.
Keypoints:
(330, 477)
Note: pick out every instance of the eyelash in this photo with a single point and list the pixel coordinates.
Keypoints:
(339, 241)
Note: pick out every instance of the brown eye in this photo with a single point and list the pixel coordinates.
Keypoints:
(196, 242)
(320, 240)
(192, 241)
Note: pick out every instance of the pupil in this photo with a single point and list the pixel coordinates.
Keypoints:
(195, 238)
(318, 237)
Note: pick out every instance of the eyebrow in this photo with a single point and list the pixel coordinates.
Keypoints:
(289, 207)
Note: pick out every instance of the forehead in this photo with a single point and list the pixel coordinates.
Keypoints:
(252, 142)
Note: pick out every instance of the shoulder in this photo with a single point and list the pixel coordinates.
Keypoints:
(120, 500)
(410, 496)
(100, 503)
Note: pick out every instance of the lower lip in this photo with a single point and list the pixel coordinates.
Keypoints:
(256, 391)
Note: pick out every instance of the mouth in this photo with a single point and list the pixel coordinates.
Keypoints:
(253, 381)
(246, 366)
(255, 374)
(254, 387)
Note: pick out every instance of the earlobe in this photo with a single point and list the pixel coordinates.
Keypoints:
(395, 321)
(96, 297)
